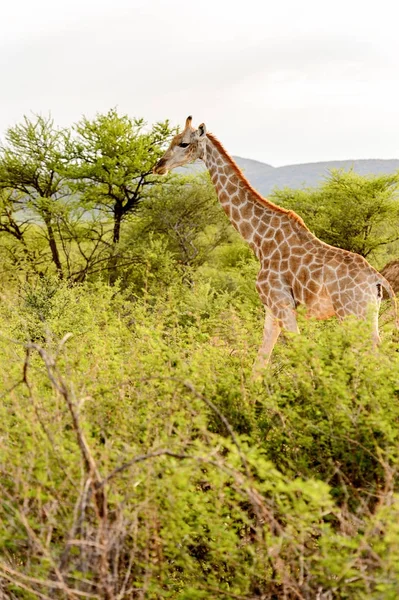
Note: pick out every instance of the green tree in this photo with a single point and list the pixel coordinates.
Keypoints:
(111, 161)
(9, 222)
(18, 254)
(186, 212)
(32, 166)
(357, 213)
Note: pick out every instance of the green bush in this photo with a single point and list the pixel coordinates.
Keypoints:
(351, 211)
(138, 459)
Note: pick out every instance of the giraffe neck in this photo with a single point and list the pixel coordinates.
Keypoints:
(246, 209)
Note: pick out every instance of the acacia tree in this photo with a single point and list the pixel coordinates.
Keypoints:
(111, 161)
(9, 223)
(31, 169)
(183, 209)
(353, 212)
(14, 225)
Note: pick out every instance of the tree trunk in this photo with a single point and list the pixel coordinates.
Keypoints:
(117, 226)
(113, 261)
(53, 246)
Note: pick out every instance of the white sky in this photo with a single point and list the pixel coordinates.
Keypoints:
(286, 81)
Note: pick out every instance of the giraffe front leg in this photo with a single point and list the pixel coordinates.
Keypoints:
(286, 319)
(271, 331)
(280, 313)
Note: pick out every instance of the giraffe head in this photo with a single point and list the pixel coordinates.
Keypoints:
(185, 147)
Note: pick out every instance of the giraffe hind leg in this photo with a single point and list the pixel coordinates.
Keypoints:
(375, 332)
(374, 318)
(365, 306)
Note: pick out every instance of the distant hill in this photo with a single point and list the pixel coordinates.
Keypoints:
(264, 177)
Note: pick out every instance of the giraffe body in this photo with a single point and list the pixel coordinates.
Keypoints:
(295, 266)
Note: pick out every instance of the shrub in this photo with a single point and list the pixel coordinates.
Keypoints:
(138, 460)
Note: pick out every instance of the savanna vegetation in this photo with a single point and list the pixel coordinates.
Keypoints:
(137, 458)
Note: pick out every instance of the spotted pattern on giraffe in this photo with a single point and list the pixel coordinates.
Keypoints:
(295, 266)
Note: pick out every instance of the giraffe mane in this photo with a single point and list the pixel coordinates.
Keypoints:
(263, 201)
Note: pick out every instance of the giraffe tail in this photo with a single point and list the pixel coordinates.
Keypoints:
(389, 290)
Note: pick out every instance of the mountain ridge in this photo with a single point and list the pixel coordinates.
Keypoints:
(264, 177)
(299, 176)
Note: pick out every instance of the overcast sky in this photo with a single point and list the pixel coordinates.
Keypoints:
(283, 82)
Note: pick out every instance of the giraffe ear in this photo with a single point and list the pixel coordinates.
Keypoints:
(201, 130)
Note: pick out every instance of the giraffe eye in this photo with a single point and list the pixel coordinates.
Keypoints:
(183, 145)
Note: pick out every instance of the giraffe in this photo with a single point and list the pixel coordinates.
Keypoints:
(295, 266)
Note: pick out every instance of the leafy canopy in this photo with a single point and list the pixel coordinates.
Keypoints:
(353, 212)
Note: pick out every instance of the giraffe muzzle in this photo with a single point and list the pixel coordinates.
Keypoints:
(160, 168)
